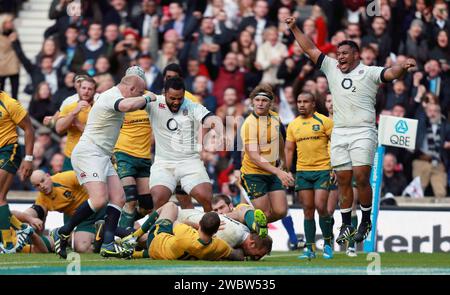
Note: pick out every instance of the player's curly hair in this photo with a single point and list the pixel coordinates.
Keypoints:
(263, 88)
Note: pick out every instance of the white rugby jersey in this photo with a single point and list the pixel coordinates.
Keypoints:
(176, 134)
(104, 121)
(354, 93)
(234, 232)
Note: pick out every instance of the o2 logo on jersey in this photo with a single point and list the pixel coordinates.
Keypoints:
(172, 124)
(347, 83)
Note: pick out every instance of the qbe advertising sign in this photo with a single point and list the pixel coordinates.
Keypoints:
(397, 131)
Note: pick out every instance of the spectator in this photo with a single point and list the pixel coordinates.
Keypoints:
(9, 62)
(104, 82)
(117, 14)
(436, 83)
(176, 19)
(70, 43)
(87, 53)
(397, 95)
(144, 22)
(111, 37)
(441, 51)
(292, 65)
(39, 161)
(415, 45)
(394, 182)
(39, 73)
(432, 151)
(368, 56)
(45, 139)
(41, 104)
(201, 91)
(64, 91)
(228, 76)
(379, 39)
(51, 48)
(270, 55)
(439, 22)
(102, 65)
(231, 107)
(56, 163)
(257, 22)
(245, 47)
(153, 75)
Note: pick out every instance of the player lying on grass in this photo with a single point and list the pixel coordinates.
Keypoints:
(234, 230)
(169, 239)
(61, 193)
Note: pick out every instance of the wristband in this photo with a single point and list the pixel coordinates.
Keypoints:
(148, 98)
(28, 158)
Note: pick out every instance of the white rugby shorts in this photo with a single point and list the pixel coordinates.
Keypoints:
(352, 147)
(90, 163)
(189, 173)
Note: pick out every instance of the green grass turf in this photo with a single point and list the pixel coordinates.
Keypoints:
(278, 263)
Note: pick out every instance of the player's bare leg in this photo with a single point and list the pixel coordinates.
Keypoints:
(273, 204)
(6, 241)
(203, 194)
(345, 191)
(185, 201)
(160, 194)
(362, 179)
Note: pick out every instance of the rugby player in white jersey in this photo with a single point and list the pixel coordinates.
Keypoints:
(176, 122)
(92, 164)
(353, 86)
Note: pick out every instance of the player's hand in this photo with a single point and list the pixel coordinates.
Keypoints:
(36, 223)
(286, 178)
(25, 170)
(291, 22)
(409, 64)
(81, 104)
(47, 120)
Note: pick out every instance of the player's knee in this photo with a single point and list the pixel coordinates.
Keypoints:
(98, 202)
(309, 213)
(322, 210)
(362, 180)
(130, 206)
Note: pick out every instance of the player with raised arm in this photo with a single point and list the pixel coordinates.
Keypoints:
(263, 147)
(308, 135)
(176, 122)
(13, 115)
(353, 86)
(91, 161)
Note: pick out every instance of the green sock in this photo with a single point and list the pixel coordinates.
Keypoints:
(127, 219)
(327, 228)
(249, 218)
(150, 221)
(310, 233)
(5, 215)
(355, 225)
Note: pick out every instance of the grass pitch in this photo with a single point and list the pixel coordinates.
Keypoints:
(278, 263)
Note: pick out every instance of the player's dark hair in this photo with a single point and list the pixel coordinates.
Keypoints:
(173, 68)
(399, 104)
(210, 223)
(175, 83)
(350, 43)
(308, 94)
(218, 197)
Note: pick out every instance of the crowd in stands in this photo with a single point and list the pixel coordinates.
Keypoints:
(227, 47)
